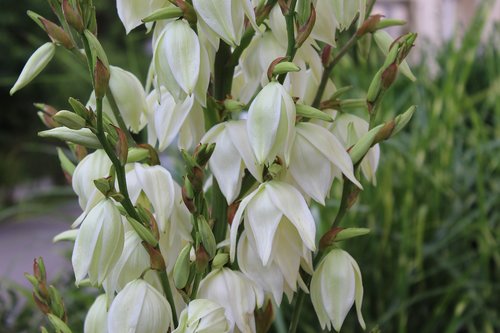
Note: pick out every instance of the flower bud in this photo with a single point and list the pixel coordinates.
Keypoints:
(359, 150)
(57, 34)
(66, 165)
(131, 12)
(35, 64)
(202, 316)
(207, 236)
(312, 113)
(335, 286)
(83, 136)
(101, 78)
(139, 308)
(384, 42)
(164, 13)
(403, 119)
(69, 119)
(72, 16)
(96, 320)
(182, 267)
(285, 67)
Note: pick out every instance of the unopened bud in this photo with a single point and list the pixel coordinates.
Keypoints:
(35, 64)
(389, 23)
(375, 88)
(36, 18)
(164, 14)
(96, 49)
(231, 105)
(101, 79)
(154, 159)
(312, 113)
(359, 150)
(203, 153)
(57, 34)
(270, 69)
(58, 324)
(402, 120)
(105, 185)
(69, 119)
(389, 76)
(207, 236)
(83, 136)
(220, 260)
(351, 233)
(202, 259)
(306, 29)
(66, 165)
(144, 233)
(182, 268)
(121, 147)
(79, 108)
(136, 154)
(370, 25)
(187, 11)
(156, 259)
(56, 303)
(285, 67)
(72, 16)
(385, 132)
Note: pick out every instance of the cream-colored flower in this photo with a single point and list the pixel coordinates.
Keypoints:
(96, 320)
(202, 316)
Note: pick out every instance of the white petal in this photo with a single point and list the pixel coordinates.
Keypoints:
(294, 207)
(218, 15)
(169, 120)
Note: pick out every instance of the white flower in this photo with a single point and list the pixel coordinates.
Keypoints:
(181, 62)
(335, 286)
(35, 64)
(231, 156)
(317, 157)
(270, 205)
(236, 293)
(281, 274)
(132, 263)
(96, 320)
(202, 316)
(130, 99)
(92, 167)
(225, 18)
(131, 12)
(349, 129)
(99, 243)
(167, 117)
(139, 308)
(271, 121)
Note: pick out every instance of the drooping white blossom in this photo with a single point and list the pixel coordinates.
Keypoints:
(96, 320)
(335, 286)
(237, 294)
(99, 243)
(139, 308)
(202, 316)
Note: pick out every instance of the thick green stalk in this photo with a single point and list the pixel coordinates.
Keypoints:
(168, 293)
(290, 32)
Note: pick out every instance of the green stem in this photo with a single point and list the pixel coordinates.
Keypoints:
(344, 202)
(290, 31)
(168, 293)
(328, 69)
(297, 309)
(118, 116)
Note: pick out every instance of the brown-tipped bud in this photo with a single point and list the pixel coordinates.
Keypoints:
(264, 317)
(46, 113)
(188, 201)
(389, 75)
(105, 185)
(370, 25)
(41, 304)
(121, 147)
(72, 16)
(188, 11)
(202, 259)
(101, 79)
(203, 153)
(154, 159)
(305, 30)
(385, 132)
(150, 220)
(326, 55)
(197, 179)
(56, 33)
(270, 69)
(156, 259)
(329, 237)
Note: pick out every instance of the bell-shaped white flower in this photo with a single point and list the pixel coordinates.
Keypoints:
(139, 308)
(226, 17)
(349, 128)
(181, 62)
(281, 274)
(99, 243)
(167, 117)
(317, 156)
(335, 286)
(130, 99)
(236, 294)
(131, 12)
(270, 124)
(202, 316)
(132, 263)
(92, 167)
(263, 210)
(96, 320)
(231, 156)
(158, 186)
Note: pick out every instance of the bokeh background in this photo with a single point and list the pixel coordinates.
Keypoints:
(432, 261)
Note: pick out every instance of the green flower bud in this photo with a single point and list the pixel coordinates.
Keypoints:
(359, 150)
(182, 267)
(313, 113)
(285, 67)
(207, 236)
(351, 233)
(163, 14)
(83, 136)
(69, 119)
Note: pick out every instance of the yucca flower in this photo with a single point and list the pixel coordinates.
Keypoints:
(202, 316)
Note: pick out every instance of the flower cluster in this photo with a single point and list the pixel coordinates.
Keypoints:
(243, 89)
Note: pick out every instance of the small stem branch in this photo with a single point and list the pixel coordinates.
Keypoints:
(328, 69)
(168, 293)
